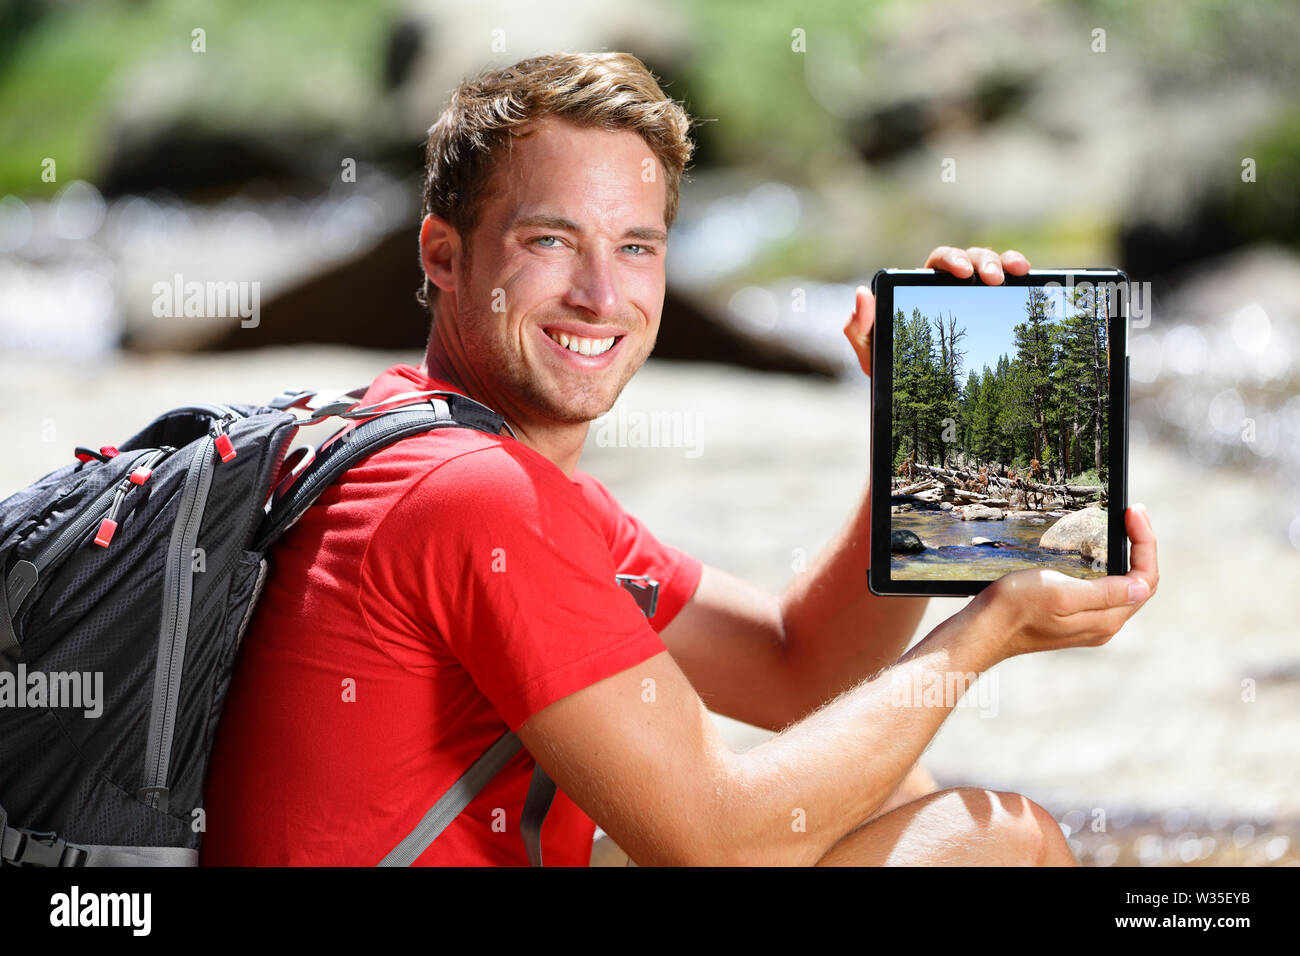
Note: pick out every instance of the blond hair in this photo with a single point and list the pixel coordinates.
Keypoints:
(611, 91)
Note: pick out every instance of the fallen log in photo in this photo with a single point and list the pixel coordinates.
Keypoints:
(915, 487)
(949, 475)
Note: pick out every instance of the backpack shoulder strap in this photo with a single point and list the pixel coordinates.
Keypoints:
(450, 804)
(383, 425)
(541, 791)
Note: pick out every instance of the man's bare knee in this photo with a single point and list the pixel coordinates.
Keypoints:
(963, 826)
(1030, 829)
(1006, 828)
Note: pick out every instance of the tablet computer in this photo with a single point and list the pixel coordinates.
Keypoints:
(999, 428)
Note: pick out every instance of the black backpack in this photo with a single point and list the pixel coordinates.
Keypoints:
(128, 579)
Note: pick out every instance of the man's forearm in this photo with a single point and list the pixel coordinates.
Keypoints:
(837, 633)
(823, 777)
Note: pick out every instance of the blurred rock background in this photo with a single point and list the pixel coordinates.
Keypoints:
(279, 143)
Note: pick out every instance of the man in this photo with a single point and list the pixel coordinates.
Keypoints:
(458, 585)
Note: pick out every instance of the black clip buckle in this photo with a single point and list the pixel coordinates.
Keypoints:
(45, 848)
(642, 587)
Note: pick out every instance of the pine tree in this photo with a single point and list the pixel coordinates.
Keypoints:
(1010, 409)
(918, 386)
(1034, 361)
(1076, 395)
(902, 383)
(928, 394)
(970, 426)
(987, 413)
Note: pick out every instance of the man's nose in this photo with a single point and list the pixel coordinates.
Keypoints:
(594, 287)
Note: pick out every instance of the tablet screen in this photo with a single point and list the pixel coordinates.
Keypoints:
(1000, 429)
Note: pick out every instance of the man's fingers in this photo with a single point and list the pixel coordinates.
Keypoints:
(862, 318)
(864, 312)
(858, 328)
(951, 260)
(1014, 263)
(963, 263)
(1099, 594)
(1092, 610)
(989, 264)
(1117, 591)
(1142, 554)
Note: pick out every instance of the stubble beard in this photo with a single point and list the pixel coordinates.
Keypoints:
(545, 397)
(580, 403)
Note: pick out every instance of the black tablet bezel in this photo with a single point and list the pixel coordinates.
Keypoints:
(879, 578)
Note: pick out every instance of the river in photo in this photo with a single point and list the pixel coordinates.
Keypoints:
(950, 556)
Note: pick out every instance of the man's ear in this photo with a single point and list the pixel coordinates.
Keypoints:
(440, 250)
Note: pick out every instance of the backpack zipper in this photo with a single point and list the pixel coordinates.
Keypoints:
(178, 590)
(106, 503)
(24, 575)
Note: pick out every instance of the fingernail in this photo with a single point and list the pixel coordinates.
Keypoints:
(1137, 591)
(962, 262)
(990, 269)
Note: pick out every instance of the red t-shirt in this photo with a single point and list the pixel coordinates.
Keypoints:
(450, 586)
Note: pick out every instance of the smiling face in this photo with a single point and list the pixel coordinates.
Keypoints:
(556, 302)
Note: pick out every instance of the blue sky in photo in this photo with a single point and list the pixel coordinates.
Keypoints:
(988, 313)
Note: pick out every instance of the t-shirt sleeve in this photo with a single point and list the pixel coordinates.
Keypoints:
(636, 551)
(497, 557)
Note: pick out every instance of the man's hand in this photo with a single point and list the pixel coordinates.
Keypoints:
(960, 262)
(1046, 610)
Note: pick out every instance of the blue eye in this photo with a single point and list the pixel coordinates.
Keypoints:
(633, 245)
(542, 239)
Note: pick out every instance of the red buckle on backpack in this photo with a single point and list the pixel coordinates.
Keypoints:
(108, 451)
(105, 533)
(224, 448)
(140, 475)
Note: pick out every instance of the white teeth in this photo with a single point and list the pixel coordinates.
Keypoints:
(583, 346)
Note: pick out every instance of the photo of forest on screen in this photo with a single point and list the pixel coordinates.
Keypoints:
(1045, 397)
(1000, 430)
